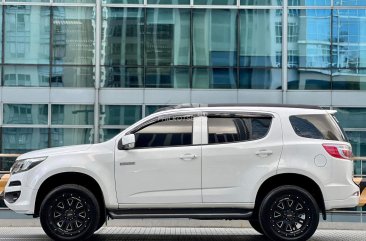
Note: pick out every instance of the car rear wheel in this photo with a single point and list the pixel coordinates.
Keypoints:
(70, 212)
(289, 213)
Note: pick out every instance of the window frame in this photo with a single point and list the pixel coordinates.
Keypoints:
(232, 114)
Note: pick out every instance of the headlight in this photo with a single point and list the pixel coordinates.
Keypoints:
(26, 164)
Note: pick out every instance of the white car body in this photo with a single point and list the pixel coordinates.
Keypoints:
(162, 178)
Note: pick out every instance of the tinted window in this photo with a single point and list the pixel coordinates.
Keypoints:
(225, 130)
(317, 127)
(173, 132)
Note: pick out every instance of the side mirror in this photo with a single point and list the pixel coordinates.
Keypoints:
(127, 142)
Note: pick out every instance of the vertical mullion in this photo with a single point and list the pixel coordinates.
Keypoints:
(331, 56)
(144, 61)
(191, 53)
(238, 25)
(49, 124)
(51, 47)
(97, 35)
(3, 45)
(284, 50)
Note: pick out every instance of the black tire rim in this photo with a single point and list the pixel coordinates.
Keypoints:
(69, 214)
(290, 215)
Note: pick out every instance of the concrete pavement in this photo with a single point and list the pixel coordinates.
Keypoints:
(176, 234)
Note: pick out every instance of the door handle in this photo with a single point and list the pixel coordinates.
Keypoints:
(188, 157)
(264, 153)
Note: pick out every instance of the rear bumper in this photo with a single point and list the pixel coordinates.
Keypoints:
(342, 196)
(350, 202)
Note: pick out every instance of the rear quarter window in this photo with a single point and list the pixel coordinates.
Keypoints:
(317, 126)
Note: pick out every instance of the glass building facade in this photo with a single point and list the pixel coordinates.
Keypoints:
(80, 71)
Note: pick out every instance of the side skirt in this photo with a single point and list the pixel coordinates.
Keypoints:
(192, 213)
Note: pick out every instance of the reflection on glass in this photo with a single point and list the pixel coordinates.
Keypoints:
(150, 109)
(214, 37)
(168, 2)
(70, 76)
(107, 134)
(5, 164)
(357, 167)
(124, 1)
(30, 75)
(217, 78)
(215, 2)
(72, 114)
(73, 35)
(167, 78)
(120, 114)
(352, 117)
(167, 36)
(68, 136)
(349, 79)
(1, 30)
(349, 38)
(350, 2)
(261, 48)
(358, 141)
(25, 114)
(27, 34)
(74, 1)
(21, 140)
(309, 38)
(308, 79)
(34, 1)
(260, 79)
(123, 36)
(261, 2)
(309, 2)
(122, 77)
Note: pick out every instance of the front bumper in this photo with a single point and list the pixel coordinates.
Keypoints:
(24, 204)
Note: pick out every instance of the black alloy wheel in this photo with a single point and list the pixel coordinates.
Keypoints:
(289, 213)
(70, 212)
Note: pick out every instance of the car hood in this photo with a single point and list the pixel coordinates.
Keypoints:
(55, 151)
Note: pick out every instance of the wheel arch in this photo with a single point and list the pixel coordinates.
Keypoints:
(77, 178)
(291, 179)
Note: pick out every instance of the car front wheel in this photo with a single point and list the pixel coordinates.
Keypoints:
(289, 213)
(70, 212)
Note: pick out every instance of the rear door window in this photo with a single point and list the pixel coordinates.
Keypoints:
(317, 126)
(237, 129)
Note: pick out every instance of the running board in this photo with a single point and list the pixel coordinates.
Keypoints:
(192, 213)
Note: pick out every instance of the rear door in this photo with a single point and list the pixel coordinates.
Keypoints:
(241, 151)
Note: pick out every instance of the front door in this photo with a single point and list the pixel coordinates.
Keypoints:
(165, 165)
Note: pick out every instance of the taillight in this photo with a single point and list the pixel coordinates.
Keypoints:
(338, 151)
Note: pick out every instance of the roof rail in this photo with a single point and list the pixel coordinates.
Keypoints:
(195, 105)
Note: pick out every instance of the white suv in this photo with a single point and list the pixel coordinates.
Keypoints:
(277, 166)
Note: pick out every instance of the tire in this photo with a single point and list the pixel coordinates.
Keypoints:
(101, 223)
(70, 212)
(256, 225)
(289, 213)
